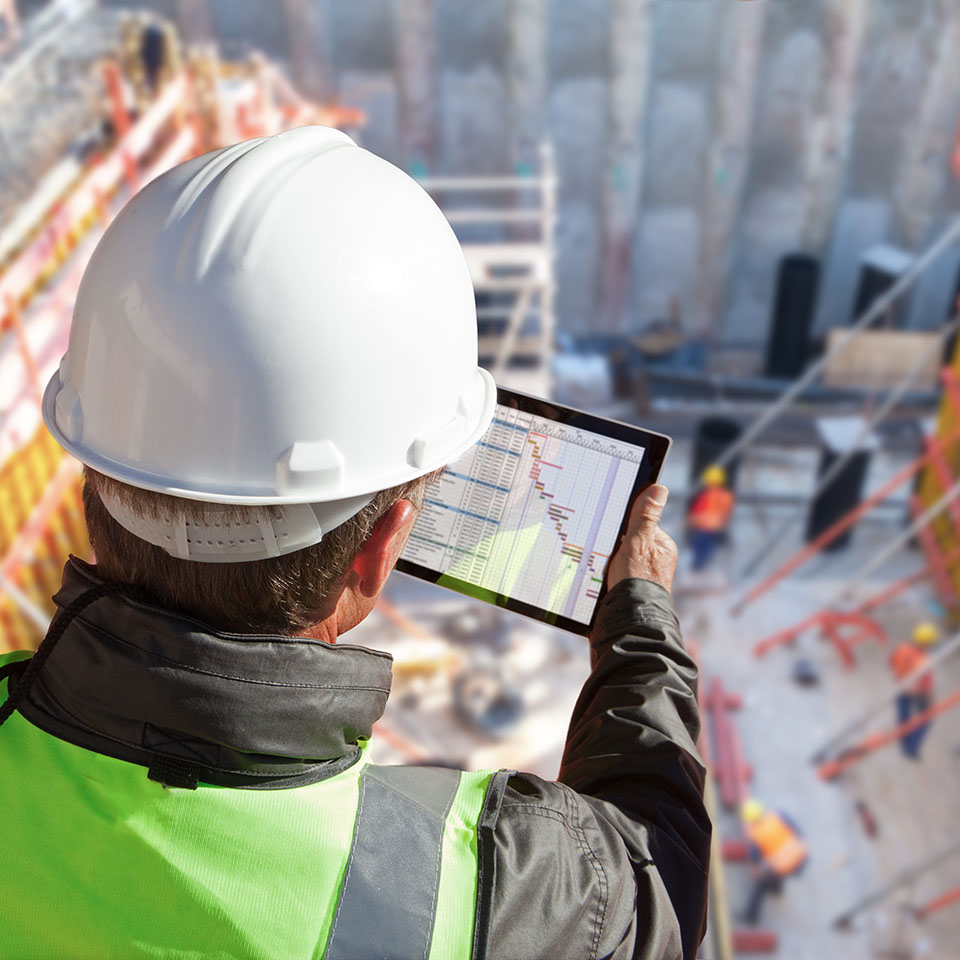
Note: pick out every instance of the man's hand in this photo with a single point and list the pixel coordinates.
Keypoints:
(645, 551)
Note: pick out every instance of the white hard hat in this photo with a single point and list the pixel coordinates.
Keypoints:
(289, 320)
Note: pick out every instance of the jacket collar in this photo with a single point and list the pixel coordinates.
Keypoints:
(137, 682)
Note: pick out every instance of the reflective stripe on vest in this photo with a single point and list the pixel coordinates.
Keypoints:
(779, 846)
(389, 894)
(139, 870)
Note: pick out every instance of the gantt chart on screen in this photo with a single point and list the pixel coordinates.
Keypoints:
(532, 511)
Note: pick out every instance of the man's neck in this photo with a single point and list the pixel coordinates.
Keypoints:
(325, 630)
(351, 607)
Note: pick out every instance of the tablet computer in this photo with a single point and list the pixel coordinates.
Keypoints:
(527, 518)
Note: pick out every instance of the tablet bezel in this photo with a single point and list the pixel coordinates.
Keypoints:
(656, 445)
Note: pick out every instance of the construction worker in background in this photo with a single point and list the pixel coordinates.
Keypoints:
(709, 515)
(274, 348)
(908, 658)
(777, 851)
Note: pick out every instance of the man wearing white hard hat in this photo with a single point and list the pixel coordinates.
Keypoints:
(274, 346)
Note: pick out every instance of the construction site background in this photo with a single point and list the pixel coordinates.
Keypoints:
(734, 222)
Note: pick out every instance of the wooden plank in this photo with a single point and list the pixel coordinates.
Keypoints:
(880, 359)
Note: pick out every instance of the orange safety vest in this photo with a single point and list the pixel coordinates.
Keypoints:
(711, 509)
(778, 844)
(907, 658)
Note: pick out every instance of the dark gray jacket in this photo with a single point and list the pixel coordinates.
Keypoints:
(610, 861)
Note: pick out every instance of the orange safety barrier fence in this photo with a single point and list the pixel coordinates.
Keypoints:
(41, 523)
(40, 510)
(944, 467)
(41, 519)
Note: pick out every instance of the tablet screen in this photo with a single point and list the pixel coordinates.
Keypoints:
(529, 516)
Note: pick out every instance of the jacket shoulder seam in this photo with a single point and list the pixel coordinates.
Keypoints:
(575, 829)
(597, 864)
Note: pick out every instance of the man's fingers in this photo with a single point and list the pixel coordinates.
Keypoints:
(648, 508)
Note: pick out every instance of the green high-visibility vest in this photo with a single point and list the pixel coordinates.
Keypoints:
(101, 862)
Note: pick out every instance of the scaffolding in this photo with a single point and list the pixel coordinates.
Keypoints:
(513, 272)
(147, 116)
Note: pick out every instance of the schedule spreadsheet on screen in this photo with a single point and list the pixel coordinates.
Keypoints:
(532, 512)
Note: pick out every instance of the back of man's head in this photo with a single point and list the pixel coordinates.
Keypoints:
(287, 594)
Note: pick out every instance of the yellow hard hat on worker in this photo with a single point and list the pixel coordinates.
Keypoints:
(751, 810)
(925, 633)
(714, 476)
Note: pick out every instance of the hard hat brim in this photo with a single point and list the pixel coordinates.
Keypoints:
(126, 473)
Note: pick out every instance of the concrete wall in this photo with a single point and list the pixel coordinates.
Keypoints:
(691, 160)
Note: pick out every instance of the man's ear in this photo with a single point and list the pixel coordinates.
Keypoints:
(378, 556)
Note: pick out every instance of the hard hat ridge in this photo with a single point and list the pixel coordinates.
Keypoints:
(230, 202)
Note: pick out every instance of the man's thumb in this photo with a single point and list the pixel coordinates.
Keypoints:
(649, 507)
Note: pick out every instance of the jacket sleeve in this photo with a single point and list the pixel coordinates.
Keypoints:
(612, 860)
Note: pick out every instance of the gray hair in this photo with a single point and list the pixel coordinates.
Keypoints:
(285, 594)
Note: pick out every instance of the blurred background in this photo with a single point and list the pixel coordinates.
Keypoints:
(733, 221)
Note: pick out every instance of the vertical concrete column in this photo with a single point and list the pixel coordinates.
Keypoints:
(628, 95)
(928, 135)
(739, 45)
(417, 82)
(830, 130)
(308, 60)
(526, 80)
